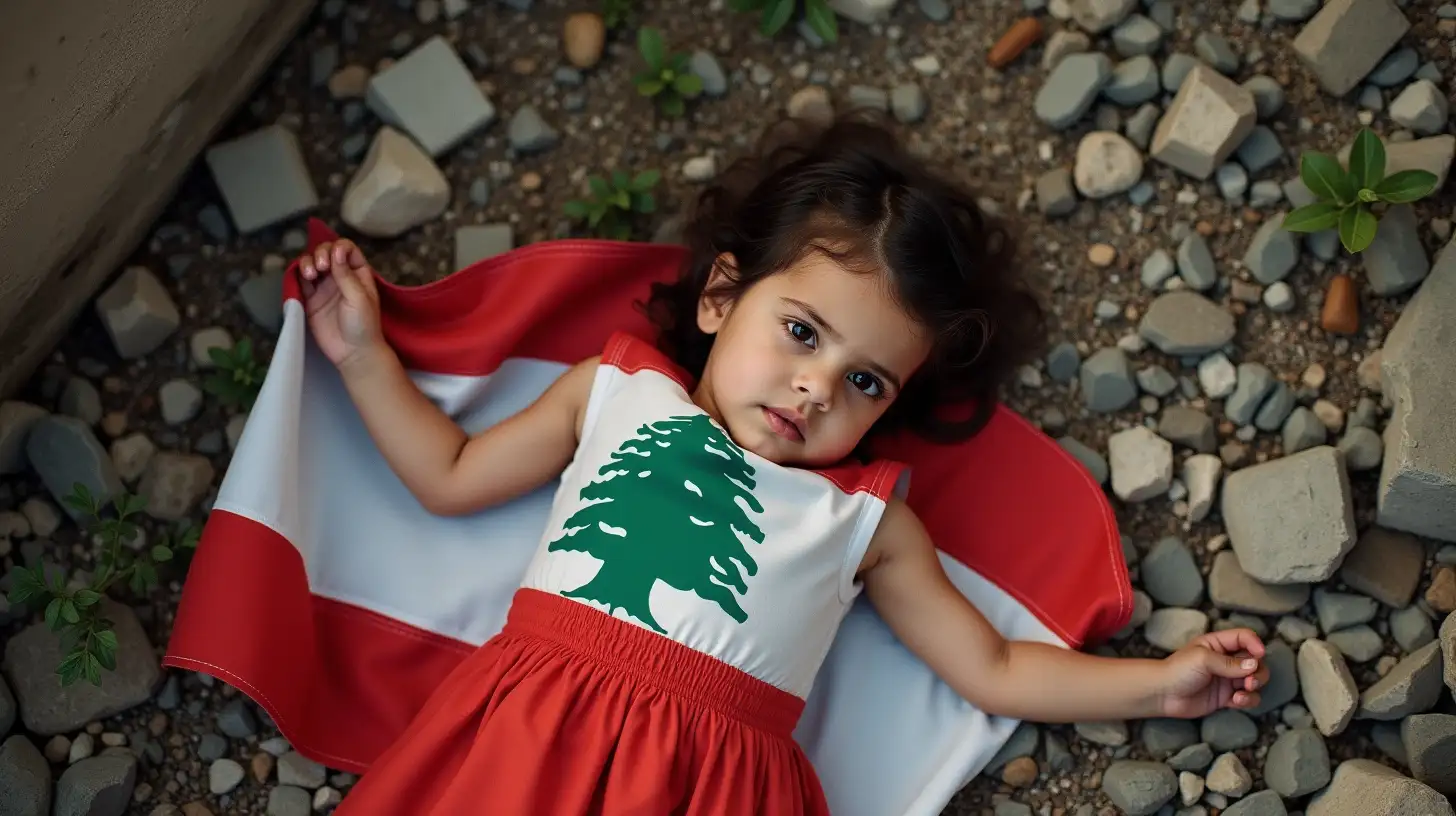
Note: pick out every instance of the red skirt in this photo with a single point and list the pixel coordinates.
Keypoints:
(569, 711)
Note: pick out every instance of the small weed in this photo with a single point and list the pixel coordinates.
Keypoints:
(613, 201)
(1347, 199)
(89, 639)
(238, 377)
(775, 14)
(617, 13)
(667, 78)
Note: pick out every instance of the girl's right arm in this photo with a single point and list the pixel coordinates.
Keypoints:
(448, 471)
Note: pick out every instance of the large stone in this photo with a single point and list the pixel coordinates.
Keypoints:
(1097, 16)
(1107, 381)
(263, 177)
(1139, 787)
(1364, 787)
(1396, 262)
(174, 483)
(64, 451)
(1291, 520)
(1386, 565)
(1209, 118)
(1189, 427)
(1413, 687)
(25, 779)
(1259, 803)
(1071, 88)
(1346, 40)
(138, 313)
(1231, 589)
(1430, 745)
(97, 786)
(1329, 689)
(47, 708)
(1272, 252)
(1107, 164)
(1170, 575)
(430, 95)
(396, 188)
(1186, 323)
(1417, 491)
(1141, 462)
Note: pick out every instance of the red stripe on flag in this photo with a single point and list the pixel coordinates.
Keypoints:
(341, 682)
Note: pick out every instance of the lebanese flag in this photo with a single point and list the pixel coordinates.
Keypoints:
(326, 593)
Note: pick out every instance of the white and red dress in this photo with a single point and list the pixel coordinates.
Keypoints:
(662, 643)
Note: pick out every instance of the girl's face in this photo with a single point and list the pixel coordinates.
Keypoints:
(806, 360)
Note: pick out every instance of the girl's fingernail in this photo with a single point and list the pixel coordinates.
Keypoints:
(1251, 663)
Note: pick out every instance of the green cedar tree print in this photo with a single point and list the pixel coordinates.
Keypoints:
(672, 511)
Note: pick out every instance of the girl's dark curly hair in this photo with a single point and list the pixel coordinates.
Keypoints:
(848, 189)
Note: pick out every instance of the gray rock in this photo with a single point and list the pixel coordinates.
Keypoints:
(1188, 427)
(1111, 733)
(1171, 628)
(1097, 16)
(262, 177)
(1170, 575)
(1165, 736)
(430, 95)
(1142, 193)
(1413, 687)
(64, 451)
(223, 775)
(1139, 787)
(1283, 685)
(1298, 763)
(1347, 39)
(97, 786)
(1279, 297)
(1062, 44)
(1337, 610)
(1329, 689)
(262, 298)
(1090, 459)
(1411, 628)
(936, 10)
(287, 800)
(1430, 745)
(1417, 490)
(1141, 463)
(1139, 127)
(211, 747)
(1058, 757)
(1396, 68)
(708, 69)
(1055, 195)
(1232, 180)
(1360, 644)
(1255, 382)
(236, 720)
(180, 401)
(1156, 269)
(1217, 376)
(1229, 777)
(1266, 193)
(1063, 362)
(1107, 381)
(1291, 519)
(1021, 743)
(16, 421)
(1072, 88)
(1386, 736)
(1302, 430)
(1192, 759)
(1156, 380)
(1228, 730)
(1260, 149)
(1294, 11)
(25, 778)
(1137, 36)
(1268, 95)
(1195, 263)
(1209, 117)
(137, 312)
(1272, 252)
(1186, 323)
(1385, 565)
(1364, 787)
(1215, 50)
(1396, 262)
(1260, 803)
(1134, 81)
(1421, 107)
(1201, 474)
(529, 132)
(81, 400)
(908, 102)
(1107, 164)
(477, 242)
(1276, 408)
(1176, 69)
(296, 769)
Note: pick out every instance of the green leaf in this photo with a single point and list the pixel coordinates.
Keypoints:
(595, 217)
(133, 504)
(822, 20)
(26, 585)
(650, 87)
(622, 199)
(646, 180)
(80, 500)
(574, 209)
(161, 553)
(644, 203)
(599, 187)
(620, 180)
(672, 105)
(1406, 186)
(1357, 228)
(1316, 217)
(689, 85)
(649, 42)
(220, 357)
(53, 613)
(776, 16)
(86, 597)
(1367, 159)
(243, 350)
(70, 667)
(104, 643)
(1366, 195)
(1324, 177)
(69, 614)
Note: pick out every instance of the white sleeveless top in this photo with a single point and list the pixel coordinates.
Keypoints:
(663, 521)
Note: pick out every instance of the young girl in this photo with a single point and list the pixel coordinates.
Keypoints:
(656, 661)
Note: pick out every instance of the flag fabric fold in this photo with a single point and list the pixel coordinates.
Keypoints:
(323, 591)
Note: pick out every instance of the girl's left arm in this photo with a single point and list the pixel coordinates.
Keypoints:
(1035, 681)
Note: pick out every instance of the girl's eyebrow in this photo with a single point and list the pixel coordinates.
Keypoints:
(814, 315)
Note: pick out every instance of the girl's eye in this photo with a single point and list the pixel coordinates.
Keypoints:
(801, 332)
(866, 383)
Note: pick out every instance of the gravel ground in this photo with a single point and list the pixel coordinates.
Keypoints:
(978, 120)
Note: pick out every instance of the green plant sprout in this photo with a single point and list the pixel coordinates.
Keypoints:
(1346, 199)
(617, 13)
(667, 77)
(238, 377)
(613, 201)
(775, 14)
(87, 637)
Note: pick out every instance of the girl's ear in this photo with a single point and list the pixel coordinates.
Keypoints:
(713, 308)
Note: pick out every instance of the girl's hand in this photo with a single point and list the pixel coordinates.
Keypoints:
(341, 301)
(1214, 671)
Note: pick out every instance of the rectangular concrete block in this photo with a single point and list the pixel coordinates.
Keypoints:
(263, 177)
(430, 95)
(1344, 42)
(1417, 490)
(108, 103)
(478, 242)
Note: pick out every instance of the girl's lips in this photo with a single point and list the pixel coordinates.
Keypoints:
(783, 425)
